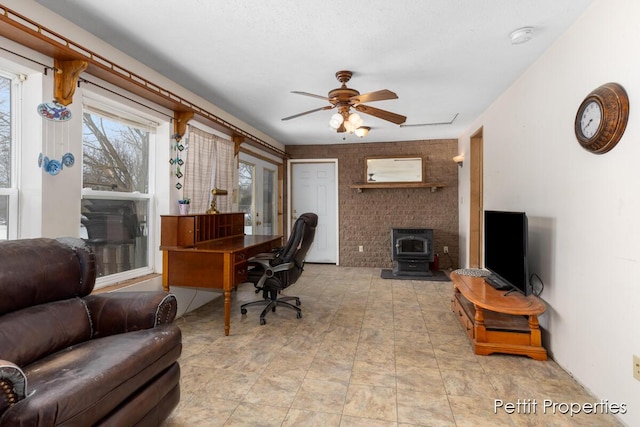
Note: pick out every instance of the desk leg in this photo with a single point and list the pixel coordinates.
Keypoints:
(165, 271)
(227, 311)
(227, 285)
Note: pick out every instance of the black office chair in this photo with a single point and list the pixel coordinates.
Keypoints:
(273, 272)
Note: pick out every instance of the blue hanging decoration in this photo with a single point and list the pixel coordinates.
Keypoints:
(68, 159)
(55, 113)
(54, 167)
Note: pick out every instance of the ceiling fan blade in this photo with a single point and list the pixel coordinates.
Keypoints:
(328, 107)
(379, 95)
(297, 92)
(381, 114)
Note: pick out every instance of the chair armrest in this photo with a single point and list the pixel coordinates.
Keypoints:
(118, 312)
(269, 270)
(13, 385)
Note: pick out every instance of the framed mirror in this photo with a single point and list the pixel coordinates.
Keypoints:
(393, 169)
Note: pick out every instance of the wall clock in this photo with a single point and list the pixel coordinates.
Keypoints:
(602, 118)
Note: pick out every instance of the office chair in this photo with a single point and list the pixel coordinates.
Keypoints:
(272, 272)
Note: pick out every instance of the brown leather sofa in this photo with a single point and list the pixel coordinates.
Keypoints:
(72, 358)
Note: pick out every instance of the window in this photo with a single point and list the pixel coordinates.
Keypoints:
(8, 188)
(257, 188)
(116, 196)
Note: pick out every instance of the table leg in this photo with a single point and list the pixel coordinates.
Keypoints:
(536, 338)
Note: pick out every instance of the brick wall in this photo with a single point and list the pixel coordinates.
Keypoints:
(366, 218)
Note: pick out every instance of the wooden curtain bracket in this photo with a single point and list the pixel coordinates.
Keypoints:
(180, 120)
(237, 140)
(65, 79)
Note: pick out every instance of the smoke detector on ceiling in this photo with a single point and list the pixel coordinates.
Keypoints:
(521, 35)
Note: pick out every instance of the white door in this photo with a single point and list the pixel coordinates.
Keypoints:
(314, 188)
(258, 190)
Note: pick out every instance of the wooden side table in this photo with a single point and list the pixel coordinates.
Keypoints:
(497, 322)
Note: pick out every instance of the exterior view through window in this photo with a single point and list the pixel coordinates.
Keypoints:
(5, 154)
(116, 194)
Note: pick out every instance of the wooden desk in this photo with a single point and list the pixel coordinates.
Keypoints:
(209, 251)
(495, 322)
(214, 264)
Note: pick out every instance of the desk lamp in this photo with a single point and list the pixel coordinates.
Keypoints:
(215, 192)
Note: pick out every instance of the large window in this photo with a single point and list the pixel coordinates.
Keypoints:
(116, 197)
(8, 190)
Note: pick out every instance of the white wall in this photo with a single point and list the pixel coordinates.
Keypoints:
(583, 208)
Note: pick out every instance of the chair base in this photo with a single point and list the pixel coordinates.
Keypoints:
(272, 303)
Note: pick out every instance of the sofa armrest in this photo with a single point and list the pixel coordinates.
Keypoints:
(118, 312)
(13, 385)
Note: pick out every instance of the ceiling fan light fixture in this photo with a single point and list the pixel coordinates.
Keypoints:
(355, 120)
(350, 127)
(362, 131)
(336, 120)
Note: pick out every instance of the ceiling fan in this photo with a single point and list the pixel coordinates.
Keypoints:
(344, 99)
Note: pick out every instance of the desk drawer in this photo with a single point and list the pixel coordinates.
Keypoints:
(240, 257)
(240, 273)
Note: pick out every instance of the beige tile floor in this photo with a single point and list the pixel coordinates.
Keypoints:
(367, 352)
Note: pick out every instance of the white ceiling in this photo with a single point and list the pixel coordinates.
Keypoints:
(443, 58)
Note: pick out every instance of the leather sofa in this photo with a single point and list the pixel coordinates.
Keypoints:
(73, 358)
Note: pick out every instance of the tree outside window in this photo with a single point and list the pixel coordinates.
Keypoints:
(5, 153)
(115, 203)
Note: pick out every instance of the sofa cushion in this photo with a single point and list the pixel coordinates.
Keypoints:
(35, 332)
(83, 383)
(37, 271)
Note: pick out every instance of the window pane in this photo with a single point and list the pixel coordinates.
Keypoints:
(268, 191)
(4, 217)
(115, 155)
(245, 185)
(117, 232)
(5, 133)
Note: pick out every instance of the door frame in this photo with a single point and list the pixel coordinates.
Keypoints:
(476, 162)
(290, 164)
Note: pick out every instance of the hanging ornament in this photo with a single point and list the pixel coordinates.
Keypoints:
(178, 147)
(56, 117)
(54, 111)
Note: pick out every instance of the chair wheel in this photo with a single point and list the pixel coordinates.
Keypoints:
(298, 302)
(263, 321)
(243, 310)
(299, 315)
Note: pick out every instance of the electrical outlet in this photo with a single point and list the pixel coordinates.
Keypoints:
(446, 249)
(360, 248)
(636, 367)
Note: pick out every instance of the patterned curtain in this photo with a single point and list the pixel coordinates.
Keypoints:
(209, 164)
(224, 172)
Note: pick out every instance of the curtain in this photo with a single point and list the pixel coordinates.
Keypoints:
(209, 165)
(223, 177)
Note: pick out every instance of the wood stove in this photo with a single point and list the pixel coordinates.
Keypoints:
(412, 251)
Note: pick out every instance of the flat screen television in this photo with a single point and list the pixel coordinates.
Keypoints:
(505, 250)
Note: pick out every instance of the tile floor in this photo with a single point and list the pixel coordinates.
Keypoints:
(367, 352)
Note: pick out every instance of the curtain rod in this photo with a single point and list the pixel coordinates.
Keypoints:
(38, 34)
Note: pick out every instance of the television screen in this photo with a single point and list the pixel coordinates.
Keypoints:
(505, 250)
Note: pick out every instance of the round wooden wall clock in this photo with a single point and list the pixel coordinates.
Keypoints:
(602, 118)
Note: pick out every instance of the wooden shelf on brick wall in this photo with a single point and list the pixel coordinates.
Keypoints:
(364, 186)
